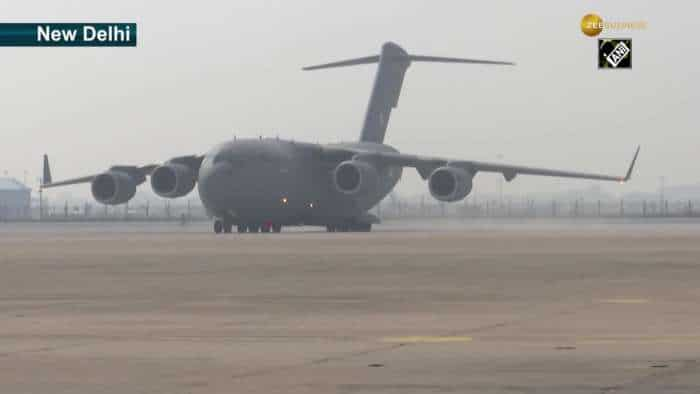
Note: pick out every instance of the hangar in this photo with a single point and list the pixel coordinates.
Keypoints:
(14, 200)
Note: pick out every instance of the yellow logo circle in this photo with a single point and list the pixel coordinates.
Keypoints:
(591, 25)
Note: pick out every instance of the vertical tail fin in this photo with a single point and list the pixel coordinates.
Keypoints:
(393, 63)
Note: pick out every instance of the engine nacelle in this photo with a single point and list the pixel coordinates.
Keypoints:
(172, 180)
(355, 177)
(450, 183)
(113, 187)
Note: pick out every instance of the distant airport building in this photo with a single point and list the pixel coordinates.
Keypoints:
(14, 200)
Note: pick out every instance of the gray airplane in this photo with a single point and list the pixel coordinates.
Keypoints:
(260, 185)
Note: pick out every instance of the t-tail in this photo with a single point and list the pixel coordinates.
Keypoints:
(393, 63)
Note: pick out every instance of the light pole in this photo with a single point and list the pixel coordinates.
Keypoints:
(662, 181)
(500, 183)
(41, 202)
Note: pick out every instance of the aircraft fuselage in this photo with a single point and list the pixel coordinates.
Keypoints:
(286, 182)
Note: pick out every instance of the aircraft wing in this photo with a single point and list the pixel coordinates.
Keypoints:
(134, 170)
(73, 181)
(425, 165)
(139, 172)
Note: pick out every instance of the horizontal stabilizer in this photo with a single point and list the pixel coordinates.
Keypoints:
(411, 58)
(437, 59)
(393, 62)
(345, 63)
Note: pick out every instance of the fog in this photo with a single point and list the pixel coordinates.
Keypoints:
(205, 71)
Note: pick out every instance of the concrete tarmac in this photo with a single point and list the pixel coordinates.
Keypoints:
(562, 309)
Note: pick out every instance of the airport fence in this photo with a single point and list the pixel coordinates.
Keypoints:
(192, 210)
(530, 208)
(163, 210)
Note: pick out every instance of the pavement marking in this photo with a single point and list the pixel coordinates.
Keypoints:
(625, 301)
(641, 340)
(427, 339)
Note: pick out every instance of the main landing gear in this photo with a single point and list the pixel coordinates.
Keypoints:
(225, 226)
(222, 226)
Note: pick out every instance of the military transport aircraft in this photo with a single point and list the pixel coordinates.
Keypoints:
(260, 185)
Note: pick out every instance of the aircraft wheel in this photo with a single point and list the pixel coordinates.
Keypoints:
(276, 228)
(266, 227)
(218, 226)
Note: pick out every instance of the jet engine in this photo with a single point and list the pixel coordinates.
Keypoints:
(450, 183)
(172, 180)
(113, 187)
(355, 177)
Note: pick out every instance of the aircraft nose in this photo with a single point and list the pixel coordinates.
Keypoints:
(248, 176)
(236, 180)
(214, 181)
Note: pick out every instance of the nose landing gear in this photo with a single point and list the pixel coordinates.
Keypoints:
(222, 226)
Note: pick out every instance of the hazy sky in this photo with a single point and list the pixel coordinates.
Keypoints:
(204, 71)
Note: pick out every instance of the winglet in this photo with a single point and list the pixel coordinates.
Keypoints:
(46, 178)
(629, 171)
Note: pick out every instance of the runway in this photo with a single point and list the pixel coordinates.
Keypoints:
(472, 309)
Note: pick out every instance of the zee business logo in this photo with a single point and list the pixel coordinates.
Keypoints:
(68, 34)
(592, 25)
